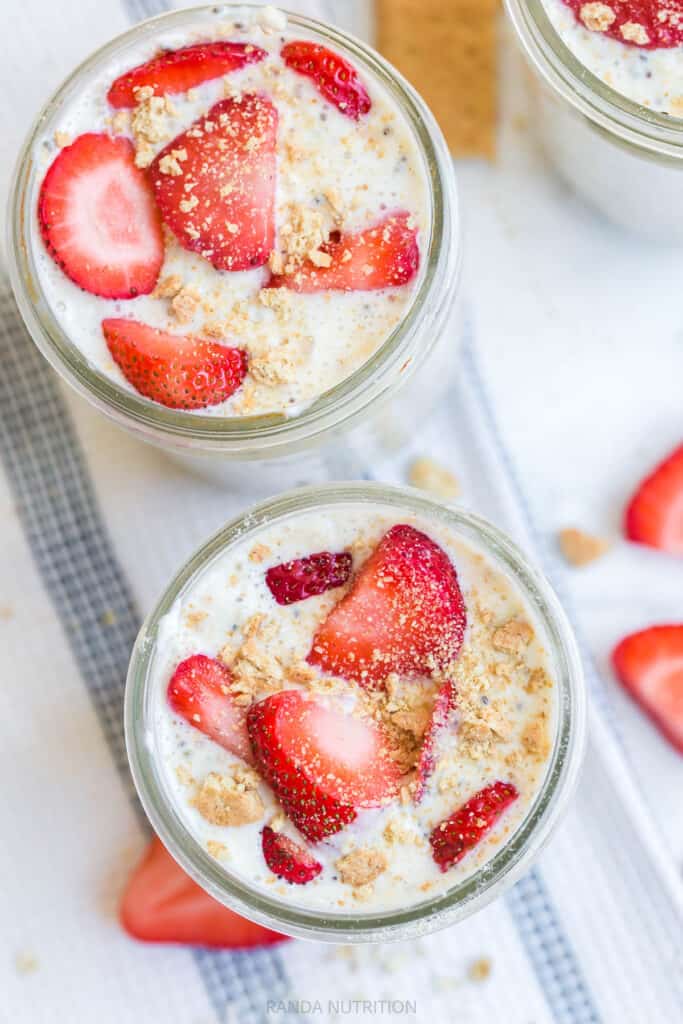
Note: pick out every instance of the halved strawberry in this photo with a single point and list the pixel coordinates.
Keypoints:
(404, 613)
(383, 256)
(199, 690)
(98, 219)
(179, 371)
(215, 183)
(179, 70)
(467, 826)
(647, 24)
(654, 515)
(287, 859)
(322, 765)
(309, 576)
(649, 664)
(443, 705)
(335, 78)
(162, 904)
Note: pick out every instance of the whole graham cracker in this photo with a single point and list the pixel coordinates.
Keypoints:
(447, 51)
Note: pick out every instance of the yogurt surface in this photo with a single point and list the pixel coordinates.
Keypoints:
(503, 728)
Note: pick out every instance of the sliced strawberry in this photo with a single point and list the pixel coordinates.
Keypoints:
(199, 690)
(649, 664)
(335, 78)
(322, 765)
(383, 256)
(98, 219)
(179, 70)
(404, 613)
(306, 577)
(162, 904)
(467, 826)
(179, 371)
(654, 515)
(443, 705)
(287, 859)
(647, 24)
(226, 162)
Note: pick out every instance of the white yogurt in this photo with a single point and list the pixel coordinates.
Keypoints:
(232, 590)
(371, 167)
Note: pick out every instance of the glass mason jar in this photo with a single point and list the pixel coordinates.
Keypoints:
(372, 408)
(514, 855)
(624, 158)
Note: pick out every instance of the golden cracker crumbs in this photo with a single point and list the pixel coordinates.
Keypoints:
(184, 775)
(301, 236)
(254, 669)
(398, 832)
(230, 799)
(538, 680)
(597, 17)
(362, 893)
(259, 553)
(25, 962)
(194, 617)
(281, 364)
(149, 123)
(302, 673)
(635, 33)
(214, 329)
(336, 202)
(216, 849)
(535, 740)
(62, 139)
(279, 300)
(168, 287)
(480, 969)
(170, 164)
(361, 867)
(185, 304)
(580, 548)
(278, 822)
(120, 122)
(404, 713)
(429, 475)
(512, 637)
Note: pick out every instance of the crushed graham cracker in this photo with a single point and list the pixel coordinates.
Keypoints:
(512, 637)
(149, 123)
(254, 669)
(259, 553)
(581, 548)
(216, 849)
(168, 287)
(534, 738)
(597, 16)
(480, 969)
(633, 32)
(230, 799)
(62, 139)
(361, 867)
(279, 300)
(185, 304)
(281, 363)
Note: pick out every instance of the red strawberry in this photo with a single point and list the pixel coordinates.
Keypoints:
(98, 219)
(179, 70)
(649, 665)
(199, 690)
(443, 705)
(383, 256)
(654, 515)
(287, 859)
(322, 765)
(335, 78)
(226, 162)
(179, 371)
(404, 613)
(162, 904)
(306, 577)
(467, 826)
(647, 24)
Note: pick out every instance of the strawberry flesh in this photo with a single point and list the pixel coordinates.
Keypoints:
(162, 904)
(287, 859)
(199, 691)
(649, 665)
(306, 577)
(322, 765)
(404, 613)
(654, 515)
(383, 256)
(443, 705)
(178, 371)
(98, 218)
(334, 77)
(467, 826)
(647, 24)
(179, 70)
(215, 183)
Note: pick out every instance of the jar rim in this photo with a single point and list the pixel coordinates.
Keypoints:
(349, 400)
(466, 896)
(619, 116)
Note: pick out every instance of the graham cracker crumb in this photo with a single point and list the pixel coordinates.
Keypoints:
(279, 300)
(149, 123)
(184, 775)
(535, 740)
(185, 304)
(361, 866)
(302, 673)
(597, 17)
(168, 287)
(259, 553)
(480, 969)
(301, 236)
(538, 680)
(281, 364)
(216, 849)
(120, 122)
(194, 617)
(512, 637)
(170, 164)
(230, 799)
(254, 669)
(278, 822)
(635, 33)
(580, 548)
(214, 329)
(62, 139)
(429, 475)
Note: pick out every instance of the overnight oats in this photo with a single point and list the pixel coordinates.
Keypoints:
(351, 710)
(612, 120)
(232, 217)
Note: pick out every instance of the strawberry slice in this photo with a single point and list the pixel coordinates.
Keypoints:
(162, 904)
(649, 664)
(322, 765)
(179, 70)
(179, 371)
(309, 576)
(98, 219)
(215, 183)
(654, 515)
(383, 256)
(334, 77)
(647, 24)
(443, 705)
(467, 826)
(199, 690)
(287, 859)
(404, 613)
